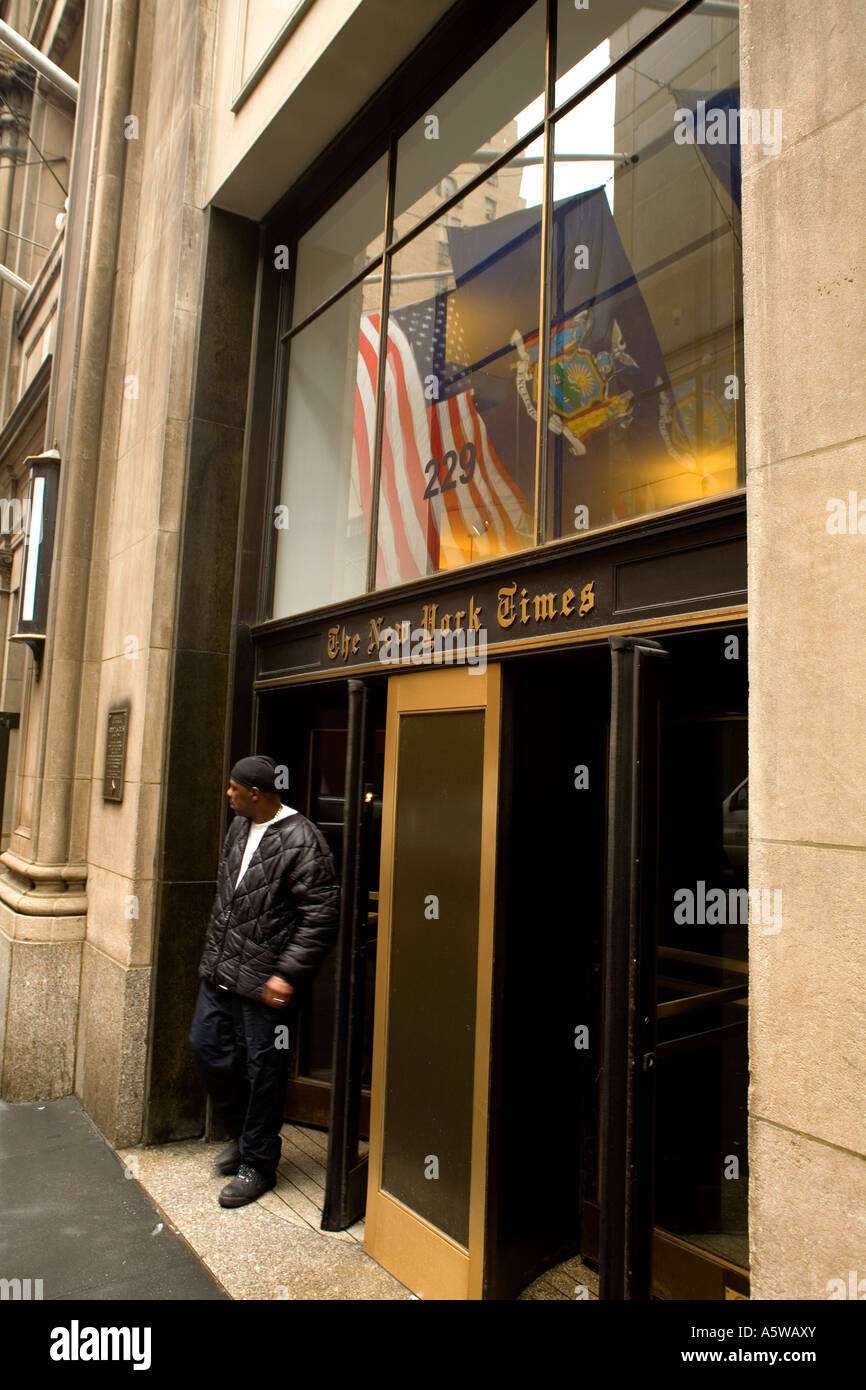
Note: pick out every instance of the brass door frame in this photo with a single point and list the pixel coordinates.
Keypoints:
(424, 1258)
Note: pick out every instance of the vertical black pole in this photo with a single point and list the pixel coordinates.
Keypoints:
(614, 1188)
(559, 254)
(345, 1077)
(541, 435)
(384, 307)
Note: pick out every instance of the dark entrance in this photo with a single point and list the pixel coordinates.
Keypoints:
(694, 965)
(310, 731)
(543, 1175)
(619, 1066)
(623, 876)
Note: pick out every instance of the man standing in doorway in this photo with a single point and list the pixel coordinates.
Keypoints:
(273, 921)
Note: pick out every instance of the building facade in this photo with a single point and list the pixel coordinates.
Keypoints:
(432, 406)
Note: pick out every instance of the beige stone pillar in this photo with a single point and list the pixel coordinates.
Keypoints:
(156, 495)
(42, 898)
(805, 341)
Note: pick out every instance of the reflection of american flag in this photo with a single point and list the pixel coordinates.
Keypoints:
(472, 521)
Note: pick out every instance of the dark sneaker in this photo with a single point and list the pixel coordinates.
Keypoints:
(229, 1159)
(248, 1186)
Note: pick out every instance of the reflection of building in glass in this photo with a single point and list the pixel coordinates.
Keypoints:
(639, 376)
(431, 247)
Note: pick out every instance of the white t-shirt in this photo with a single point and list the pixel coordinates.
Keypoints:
(256, 831)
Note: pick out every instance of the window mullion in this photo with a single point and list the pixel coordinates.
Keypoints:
(541, 435)
(375, 481)
(276, 450)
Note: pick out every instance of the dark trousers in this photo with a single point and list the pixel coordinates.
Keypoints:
(235, 1042)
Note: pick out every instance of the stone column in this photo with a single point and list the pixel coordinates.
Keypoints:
(804, 265)
(42, 900)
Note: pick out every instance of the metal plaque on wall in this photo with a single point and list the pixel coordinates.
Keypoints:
(115, 754)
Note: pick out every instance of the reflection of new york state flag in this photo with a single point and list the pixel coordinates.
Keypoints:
(606, 371)
(722, 155)
(479, 344)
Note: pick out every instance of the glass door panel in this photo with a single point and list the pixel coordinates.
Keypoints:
(307, 732)
(428, 1140)
(674, 1095)
(434, 962)
(701, 1051)
(325, 810)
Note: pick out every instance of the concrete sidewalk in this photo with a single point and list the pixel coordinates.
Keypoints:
(274, 1248)
(71, 1218)
(83, 1219)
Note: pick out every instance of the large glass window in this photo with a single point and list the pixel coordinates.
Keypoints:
(645, 344)
(435, 457)
(587, 38)
(322, 516)
(458, 463)
(478, 119)
(342, 243)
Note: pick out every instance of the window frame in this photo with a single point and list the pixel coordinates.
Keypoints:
(414, 86)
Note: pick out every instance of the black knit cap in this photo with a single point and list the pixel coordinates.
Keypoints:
(255, 771)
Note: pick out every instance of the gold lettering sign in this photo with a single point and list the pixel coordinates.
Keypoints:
(505, 612)
(513, 605)
(545, 608)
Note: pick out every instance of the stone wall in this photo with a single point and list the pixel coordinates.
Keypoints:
(40, 935)
(172, 439)
(94, 891)
(804, 264)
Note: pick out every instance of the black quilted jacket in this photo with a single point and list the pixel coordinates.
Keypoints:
(283, 918)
